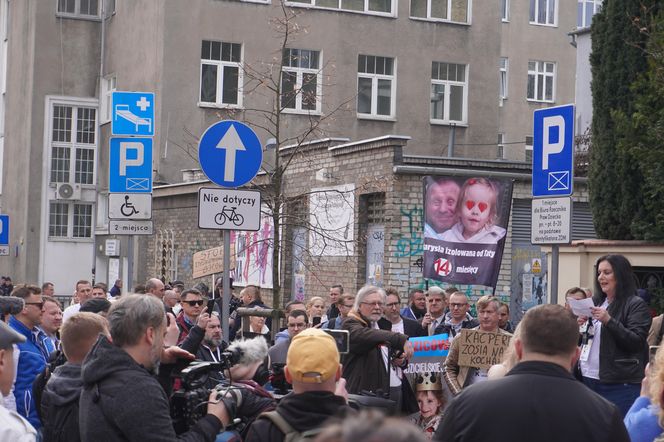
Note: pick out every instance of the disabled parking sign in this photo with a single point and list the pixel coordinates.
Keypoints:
(130, 165)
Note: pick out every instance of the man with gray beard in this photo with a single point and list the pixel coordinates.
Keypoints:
(213, 343)
(121, 399)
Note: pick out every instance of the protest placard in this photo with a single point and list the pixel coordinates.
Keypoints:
(210, 261)
(481, 349)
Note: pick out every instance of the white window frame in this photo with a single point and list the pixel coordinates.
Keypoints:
(77, 11)
(218, 103)
(504, 78)
(73, 145)
(108, 86)
(548, 20)
(540, 73)
(70, 220)
(447, 19)
(505, 11)
(528, 151)
(581, 12)
(299, 72)
(446, 110)
(374, 91)
(365, 10)
(501, 146)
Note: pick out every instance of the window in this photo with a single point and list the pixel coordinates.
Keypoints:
(301, 81)
(69, 220)
(79, 8)
(375, 86)
(74, 131)
(221, 74)
(543, 12)
(541, 81)
(447, 10)
(505, 10)
(108, 86)
(383, 7)
(501, 146)
(529, 149)
(449, 92)
(504, 65)
(585, 11)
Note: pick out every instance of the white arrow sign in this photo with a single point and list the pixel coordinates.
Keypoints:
(232, 143)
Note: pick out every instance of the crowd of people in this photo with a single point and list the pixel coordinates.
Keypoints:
(110, 366)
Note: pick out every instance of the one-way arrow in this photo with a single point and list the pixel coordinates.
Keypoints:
(232, 143)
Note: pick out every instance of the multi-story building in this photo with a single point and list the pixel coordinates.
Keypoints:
(459, 77)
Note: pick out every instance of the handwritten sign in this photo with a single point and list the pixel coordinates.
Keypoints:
(481, 349)
(210, 261)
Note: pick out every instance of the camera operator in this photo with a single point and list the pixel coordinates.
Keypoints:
(313, 368)
(122, 400)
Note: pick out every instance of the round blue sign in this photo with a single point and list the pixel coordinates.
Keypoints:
(230, 153)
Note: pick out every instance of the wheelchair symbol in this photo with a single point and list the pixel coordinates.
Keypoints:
(128, 209)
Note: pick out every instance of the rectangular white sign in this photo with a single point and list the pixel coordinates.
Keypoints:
(332, 220)
(129, 227)
(227, 209)
(551, 221)
(130, 205)
(4, 250)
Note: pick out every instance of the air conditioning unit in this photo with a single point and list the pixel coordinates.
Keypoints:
(66, 191)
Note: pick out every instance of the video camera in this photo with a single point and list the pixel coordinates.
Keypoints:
(194, 384)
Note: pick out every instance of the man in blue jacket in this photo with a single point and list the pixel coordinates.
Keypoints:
(32, 355)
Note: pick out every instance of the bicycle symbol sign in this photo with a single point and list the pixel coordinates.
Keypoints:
(226, 209)
(130, 206)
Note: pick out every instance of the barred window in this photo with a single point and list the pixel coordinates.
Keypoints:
(58, 219)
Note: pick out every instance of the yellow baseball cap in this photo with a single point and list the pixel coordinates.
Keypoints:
(312, 357)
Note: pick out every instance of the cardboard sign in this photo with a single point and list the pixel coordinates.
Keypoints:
(210, 261)
(481, 349)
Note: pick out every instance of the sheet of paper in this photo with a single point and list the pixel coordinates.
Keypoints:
(582, 307)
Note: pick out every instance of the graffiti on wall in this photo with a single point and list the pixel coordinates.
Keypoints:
(409, 243)
(254, 254)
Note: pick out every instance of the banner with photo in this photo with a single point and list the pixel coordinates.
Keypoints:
(465, 224)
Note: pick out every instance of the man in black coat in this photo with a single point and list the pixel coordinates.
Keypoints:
(312, 367)
(538, 400)
(394, 321)
(122, 400)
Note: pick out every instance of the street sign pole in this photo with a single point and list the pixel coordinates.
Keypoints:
(225, 300)
(554, 274)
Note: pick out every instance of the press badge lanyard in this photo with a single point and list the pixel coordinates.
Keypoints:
(218, 357)
(587, 340)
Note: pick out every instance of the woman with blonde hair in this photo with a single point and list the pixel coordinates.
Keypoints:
(316, 311)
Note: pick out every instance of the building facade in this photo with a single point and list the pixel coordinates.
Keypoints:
(355, 69)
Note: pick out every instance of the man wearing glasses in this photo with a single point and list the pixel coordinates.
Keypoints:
(32, 354)
(375, 355)
(297, 321)
(192, 318)
(394, 321)
(458, 317)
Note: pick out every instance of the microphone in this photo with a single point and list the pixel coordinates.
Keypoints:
(11, 305)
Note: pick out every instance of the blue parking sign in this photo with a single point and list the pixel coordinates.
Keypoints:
(132, 114)
(4, 230)
(130, 165)
(553, 151)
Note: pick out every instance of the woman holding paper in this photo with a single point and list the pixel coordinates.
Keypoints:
(614, 349)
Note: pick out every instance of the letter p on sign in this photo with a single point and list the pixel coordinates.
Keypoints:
(550, 124)
(125, 147)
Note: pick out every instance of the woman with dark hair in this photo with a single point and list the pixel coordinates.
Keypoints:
(614, 351)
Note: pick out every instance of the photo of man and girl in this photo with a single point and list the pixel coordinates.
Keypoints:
(469, 217)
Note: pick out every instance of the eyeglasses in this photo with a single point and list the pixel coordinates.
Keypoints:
(193, 303)
(38, 304)
(455, 305)
(393, 304)
(375, 304)
(303, 325)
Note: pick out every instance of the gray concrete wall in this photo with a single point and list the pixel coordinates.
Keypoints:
(522, 42)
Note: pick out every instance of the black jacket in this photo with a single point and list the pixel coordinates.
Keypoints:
(304, 411)
(623, 349)
(536, 401)
(59, 404)
(411, 328)
(445, 327)
(121, 400)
